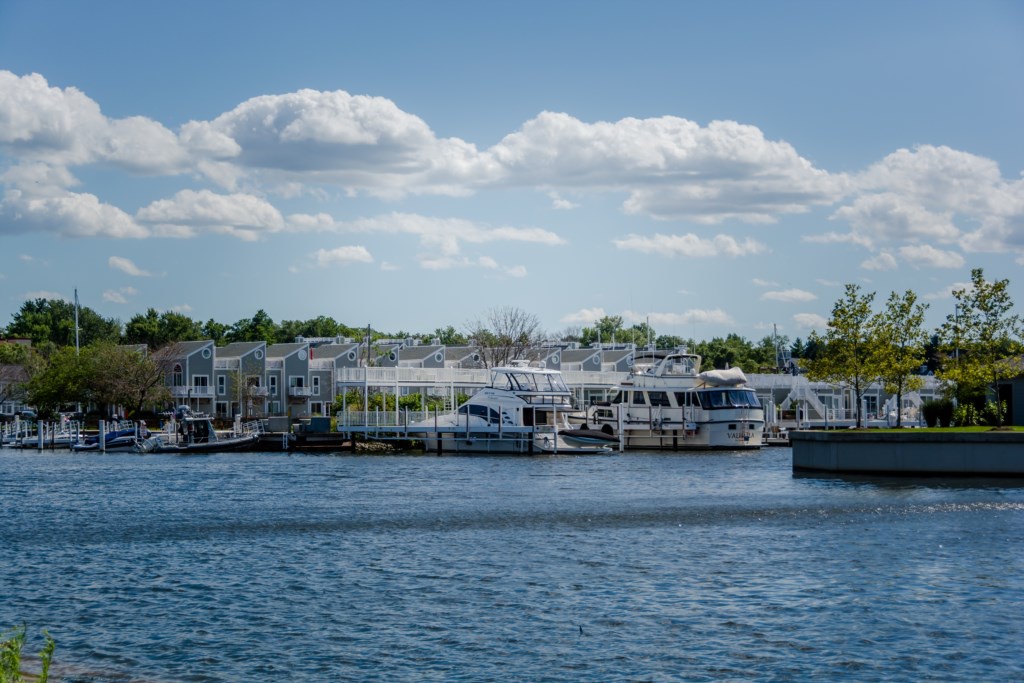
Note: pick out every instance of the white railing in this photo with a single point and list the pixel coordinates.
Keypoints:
(300, 392)
(193, 392)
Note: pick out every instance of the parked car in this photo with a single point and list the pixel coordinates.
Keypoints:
(26, 414)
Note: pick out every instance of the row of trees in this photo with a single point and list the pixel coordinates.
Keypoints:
(502, 333)
(975, 348)
(970, 351)
(101, 374)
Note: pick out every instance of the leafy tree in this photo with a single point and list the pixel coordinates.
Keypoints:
(505, 334)
(125, 376)
(449, 336)
(143, 328)
(260, 327)
(983, 334)
(607, 330)
(848, 356)
(65, 378)
(215, 331)
(158, 329)
(671, 341)
(51, 322)
(898, 346)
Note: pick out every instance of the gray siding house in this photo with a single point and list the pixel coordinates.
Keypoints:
(288, 381)
(190, 373)
(239, 380)
(324, 362)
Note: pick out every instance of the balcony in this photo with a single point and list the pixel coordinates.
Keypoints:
(300, 392)
(192, 392)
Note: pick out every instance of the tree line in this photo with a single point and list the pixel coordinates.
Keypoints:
(971, 352)
(975, 350)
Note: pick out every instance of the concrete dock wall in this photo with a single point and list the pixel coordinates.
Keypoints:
(909, 452)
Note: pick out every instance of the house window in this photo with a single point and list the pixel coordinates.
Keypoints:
(296, 381)
(222, 409)
(316, 386)
(201, 384)
(272, 385)
(177, 376)
(275, 407)
(222, 385)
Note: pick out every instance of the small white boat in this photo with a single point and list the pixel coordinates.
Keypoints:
(671, 405)
(522, 411)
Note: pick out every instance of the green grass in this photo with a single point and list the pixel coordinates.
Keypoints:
(11, 644)
(950, 430)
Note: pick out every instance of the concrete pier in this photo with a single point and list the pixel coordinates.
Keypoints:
(909, 452)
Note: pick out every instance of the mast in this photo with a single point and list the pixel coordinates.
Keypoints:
(76, 321)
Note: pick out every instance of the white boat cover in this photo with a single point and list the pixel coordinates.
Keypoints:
(724, 378)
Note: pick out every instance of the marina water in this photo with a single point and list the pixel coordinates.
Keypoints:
(634, 567)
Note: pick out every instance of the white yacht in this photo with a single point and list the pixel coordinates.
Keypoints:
(672, 405)
(522, 412)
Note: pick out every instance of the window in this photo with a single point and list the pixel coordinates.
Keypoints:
(222, 385)
(177, 376)
(272, 385)
(638, 398)
(658, 398)
(296, 381)
(316, 385)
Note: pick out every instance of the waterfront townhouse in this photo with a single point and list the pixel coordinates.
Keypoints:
(324, 362)
(189, 373)
(617, 359)
(466, 357)
(415, 356)
(240, 380)
(288, 380)
(581, 360)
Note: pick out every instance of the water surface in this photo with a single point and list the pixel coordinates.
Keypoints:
(637, 567)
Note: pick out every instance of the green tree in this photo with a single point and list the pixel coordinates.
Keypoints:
(449, 336)
(158, 329)
(51, 323)
(65, 378)
(848, 355)
(215, 331)
(124, 376)
(260, 327)
(898, 339)
(605, 331)
(982, 334)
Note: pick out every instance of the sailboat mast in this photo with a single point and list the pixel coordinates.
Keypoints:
(76, 321)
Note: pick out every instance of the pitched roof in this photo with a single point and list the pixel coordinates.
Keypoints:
(238, 349)
(283, 350)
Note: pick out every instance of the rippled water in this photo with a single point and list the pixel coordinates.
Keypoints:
(255, 567)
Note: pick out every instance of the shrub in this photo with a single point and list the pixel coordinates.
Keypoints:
(10, 657)
(938, 412)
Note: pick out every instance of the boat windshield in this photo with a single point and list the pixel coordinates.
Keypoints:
(681, 366)
(531, 381)
(717, 399)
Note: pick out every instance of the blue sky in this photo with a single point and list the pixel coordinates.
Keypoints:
(709, 167)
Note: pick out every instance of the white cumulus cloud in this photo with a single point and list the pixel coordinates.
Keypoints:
(690, 245)
(342, 256)
(810, 321)
(789, 295)
(126, 266)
